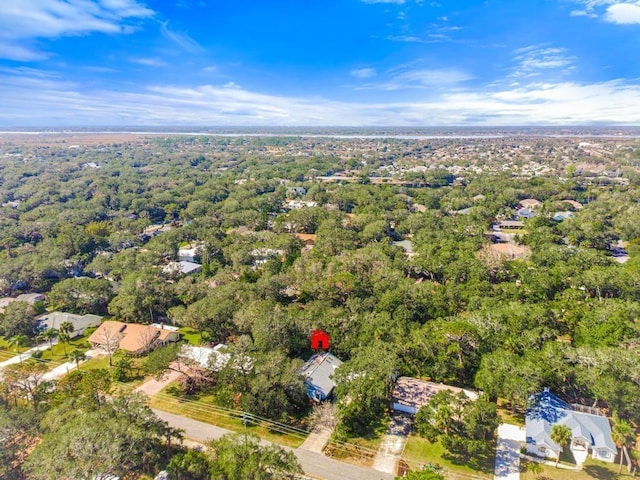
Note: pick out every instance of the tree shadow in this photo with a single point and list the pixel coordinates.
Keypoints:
(600, 473)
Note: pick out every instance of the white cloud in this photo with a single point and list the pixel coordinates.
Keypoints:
(149, 62)
(409, 77)
(613, 11)
(535, 59)
(34, 98)
(183, 40)
(363, 72)
(27, 20)
(624, 13)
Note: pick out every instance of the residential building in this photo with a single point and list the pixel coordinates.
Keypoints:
(530, 203)
(590, 430)
(411, 394)
(56, 319)
(190, 253)
(318, 374)
(182, 268)
(133, 338)
(31, 298)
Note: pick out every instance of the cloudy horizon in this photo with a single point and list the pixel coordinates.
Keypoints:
(356, 63)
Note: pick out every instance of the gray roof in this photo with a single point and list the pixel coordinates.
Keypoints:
(79, 322)
(547, 410)
(318, 371)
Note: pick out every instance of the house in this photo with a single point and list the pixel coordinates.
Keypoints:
(215, 358)
(530, 203)
(590, 431)
(260, 256)
(560, 216)
(56, 319)
(298, 204)
(309, 239)
(297, 190)
(574, 204)
(410, 394)
(407, 246)
(181, 268)
(526, 213)
(190, 253)
(318, 375)
(134, 338)
(30, 298)
(508, 225)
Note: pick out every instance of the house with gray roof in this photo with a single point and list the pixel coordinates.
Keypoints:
(590, 431)
(56, 319)
(318, 375)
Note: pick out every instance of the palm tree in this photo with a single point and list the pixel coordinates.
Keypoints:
(560, 434)
(65, 334)
(77, 356)
(534, 468)
(50, 334)
(622, 434)
(64, 339)
(66, 327)
(19, 341)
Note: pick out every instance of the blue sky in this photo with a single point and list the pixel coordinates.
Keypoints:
(348, 62)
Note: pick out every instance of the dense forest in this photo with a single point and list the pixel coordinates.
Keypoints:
(403, 273)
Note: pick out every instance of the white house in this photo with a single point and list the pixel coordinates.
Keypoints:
(590, 432)
(182, 268)
(190, 253)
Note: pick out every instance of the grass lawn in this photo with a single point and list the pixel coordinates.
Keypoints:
(96, 363)
(507, 416)
(359, 450)
(190, 336)
(202, 408)
(420, 451)
(592, 470)
(57, 354)
(136, 377)
(6, 350)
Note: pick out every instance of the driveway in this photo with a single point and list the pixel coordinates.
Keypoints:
(510, 438)
(153, 386)
(393, 443)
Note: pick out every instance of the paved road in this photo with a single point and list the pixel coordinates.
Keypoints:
(313, 463)
(510, 438)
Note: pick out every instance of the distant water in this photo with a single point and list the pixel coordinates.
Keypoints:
(402, 133)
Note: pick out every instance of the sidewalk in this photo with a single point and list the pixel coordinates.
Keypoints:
(24, 355)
